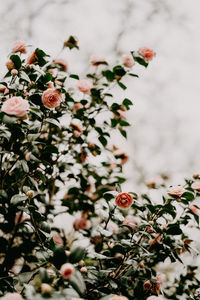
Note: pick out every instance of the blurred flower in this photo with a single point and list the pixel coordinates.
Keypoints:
(124, 200)
(32, 58)
(67, 270)
(147, 285)
(57, 238)
(62, 64)
(16, 106)
(13, 296)
(95, 60)
(19, 46)
(196, 185)
(176, 191)
(84, 86)
(81, 223)
(194, 209)
(10, 65)
(128, 60)
(156, 240)
(130, 221)
(113, 226)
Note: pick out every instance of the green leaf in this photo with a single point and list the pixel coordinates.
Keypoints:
(77, 282)
(53, 121)
(103, 140)
(109, 75)
(9, 119)
(189, 196)
(141, 61)
(77, 254)
(74, 76)
(16, 199)
(16, 60)
(121, 85)
(174, 229)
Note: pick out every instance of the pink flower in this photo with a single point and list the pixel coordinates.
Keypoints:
(84, 86)
(124, 200)
(67, 270)
(51, 98)
(81, 223)
(157, 285)
(147, 285)
(62, 63)
(2, 88)
(32, 58)
(16, 106)
(77, 106)
(57, 238)
(147, 53)
(13, 296)
(130, 221)
(113, 226)
(10, 65)
(19, 46)
(194, 209)
(196, 186)
(128, 60)
(95, 60)
(176, 191)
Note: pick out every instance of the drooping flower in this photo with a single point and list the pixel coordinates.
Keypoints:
(15, 106)
(19, 46)
(124, 200)
(52, 98)
(67, 270)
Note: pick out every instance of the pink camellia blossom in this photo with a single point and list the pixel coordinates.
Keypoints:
(194, 209)
(157, 285)
(81, 223)
(52, 98)
(67, 270)
(10, 65)
(116, 297)
(124, 200)
(128, 60)
(84, 86)
(95, 60)
(130, 221)
(19, 46)
(147, 53)
(15, 106)
(62, 64)
(13, 296)
(57, 238)
(147, 285)
(196, 185)
(32, 58)
(176, 191)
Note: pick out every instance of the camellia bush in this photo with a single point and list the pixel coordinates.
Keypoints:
(58, 161)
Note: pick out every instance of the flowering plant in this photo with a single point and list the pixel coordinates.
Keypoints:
(58, 161)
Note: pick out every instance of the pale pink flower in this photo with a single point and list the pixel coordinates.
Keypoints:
(113, 226)
(19, 46)
(13, 296)
(52, 98)
(147, 285)
(130, 221)
(81, 223)
(196, 185)
(62, 63)
(147, 53)
(27, 156)
(194, 209)
(14, 72)
(176, 191)
(67, 270)
(124, 200)
(16, 106)
(95, 60)
(84, 86)
(128, 60)
(155, 298)
(10, 65)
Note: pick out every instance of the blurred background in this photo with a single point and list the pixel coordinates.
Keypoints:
(164, 137)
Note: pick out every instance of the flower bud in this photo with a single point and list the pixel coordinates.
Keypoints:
(10, 65)
(83, 270)
(30, 194)
(14, 72)
(46, 289)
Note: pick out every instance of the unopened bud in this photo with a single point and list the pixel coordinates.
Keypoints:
(83, 270)
(30, 194)
(46, 289)
(14, 72)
